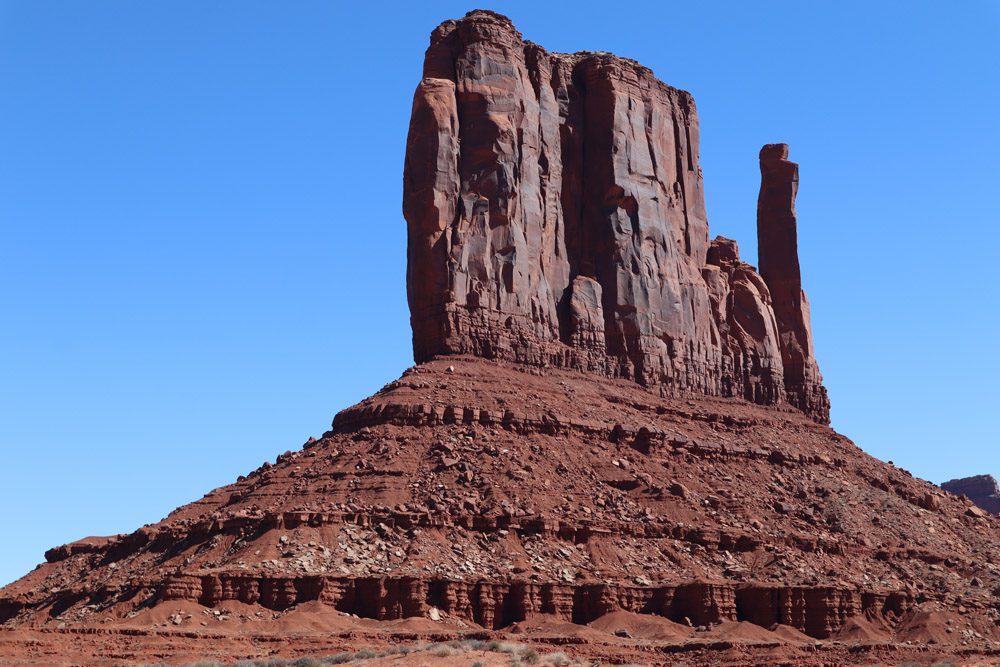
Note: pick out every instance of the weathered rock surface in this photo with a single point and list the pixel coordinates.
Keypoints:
(488, 494)
(980, 489)
(777, 251)
(556, 217)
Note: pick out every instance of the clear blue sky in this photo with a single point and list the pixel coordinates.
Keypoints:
(202, 255)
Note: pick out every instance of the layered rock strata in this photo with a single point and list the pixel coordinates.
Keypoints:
(556, 217)
(492, 494)
(817, 611)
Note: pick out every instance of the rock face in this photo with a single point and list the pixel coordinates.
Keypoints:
(980, 489)
(777, 251)
(556, 217)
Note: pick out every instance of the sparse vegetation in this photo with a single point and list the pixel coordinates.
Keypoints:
(529, 655)
(443, 651)
(519, 655)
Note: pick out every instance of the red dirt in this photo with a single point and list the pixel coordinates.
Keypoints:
(507, 501)
(642, 626)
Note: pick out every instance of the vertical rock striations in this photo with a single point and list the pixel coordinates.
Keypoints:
(556, 217)
(777, 251)
(741, 306)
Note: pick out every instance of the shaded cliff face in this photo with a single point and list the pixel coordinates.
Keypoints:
(556, 217)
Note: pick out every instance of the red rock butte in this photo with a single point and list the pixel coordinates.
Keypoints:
(983, 490)
(556, 217)
(614, 441)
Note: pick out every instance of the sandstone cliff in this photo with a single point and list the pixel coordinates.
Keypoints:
(777, 250)
(556, 217)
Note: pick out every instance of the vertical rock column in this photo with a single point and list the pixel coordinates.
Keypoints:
(778, 256)
(487, 263)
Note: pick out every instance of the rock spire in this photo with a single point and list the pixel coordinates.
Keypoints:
(778, 255)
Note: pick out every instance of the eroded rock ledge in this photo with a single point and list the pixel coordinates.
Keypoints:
(495, 492)
(817, 611)
(556, 217)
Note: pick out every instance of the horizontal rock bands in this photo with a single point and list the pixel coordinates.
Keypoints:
(818, 611)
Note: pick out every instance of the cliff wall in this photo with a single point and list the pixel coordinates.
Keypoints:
(556, 217)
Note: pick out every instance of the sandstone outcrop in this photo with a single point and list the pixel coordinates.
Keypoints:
(980, 489)
(488, 494)
(777, 252)
(556, 217)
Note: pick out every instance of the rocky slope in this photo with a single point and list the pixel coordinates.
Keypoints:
(486, 495)
(614, 441)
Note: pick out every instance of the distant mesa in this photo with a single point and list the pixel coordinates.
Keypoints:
(980, 489)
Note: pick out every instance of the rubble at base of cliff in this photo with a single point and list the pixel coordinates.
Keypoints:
(472, 498)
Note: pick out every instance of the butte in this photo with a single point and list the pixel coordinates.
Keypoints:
(615, 437)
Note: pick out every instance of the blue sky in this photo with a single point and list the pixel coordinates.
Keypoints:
(203, 254)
